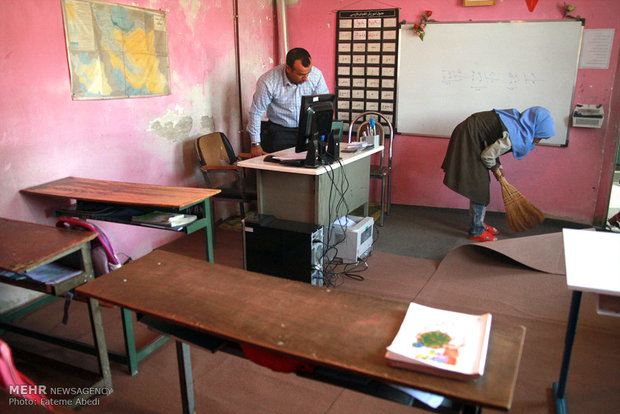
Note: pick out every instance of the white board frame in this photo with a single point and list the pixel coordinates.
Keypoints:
(465, 67)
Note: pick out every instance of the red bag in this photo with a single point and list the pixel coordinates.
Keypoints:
(17, 383)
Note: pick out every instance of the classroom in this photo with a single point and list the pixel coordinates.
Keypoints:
(217, 50)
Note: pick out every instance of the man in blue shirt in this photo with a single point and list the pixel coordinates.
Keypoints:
(278, 92)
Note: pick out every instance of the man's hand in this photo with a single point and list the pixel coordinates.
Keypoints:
(256, 151)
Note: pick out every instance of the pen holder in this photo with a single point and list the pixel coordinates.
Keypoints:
(371, 140)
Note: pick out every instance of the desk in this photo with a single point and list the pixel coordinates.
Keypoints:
(307, 194)
(96, 198)
(288, 318)
(27, 246)
(592, 264)
(92, 196)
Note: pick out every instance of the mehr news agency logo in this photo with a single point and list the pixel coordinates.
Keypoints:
(22, 395)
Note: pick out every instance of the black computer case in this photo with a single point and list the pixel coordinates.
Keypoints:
(283, 248)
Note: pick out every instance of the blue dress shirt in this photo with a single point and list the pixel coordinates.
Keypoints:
(281, 98)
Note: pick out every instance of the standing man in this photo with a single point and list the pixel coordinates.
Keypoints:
(279, 92)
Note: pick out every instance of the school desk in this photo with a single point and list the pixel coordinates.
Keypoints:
(28, 246)
(312, 195)
(117, 201)
(592, 262)
(208, 301)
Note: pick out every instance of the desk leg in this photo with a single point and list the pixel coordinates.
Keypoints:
(185, 376)
(99, 340)
(559, 388)
(130, 342)
(208, 230)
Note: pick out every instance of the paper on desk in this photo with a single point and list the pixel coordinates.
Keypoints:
(344, 221)
(357, 145)
(592, 260)
(432, 400)
(293, 157)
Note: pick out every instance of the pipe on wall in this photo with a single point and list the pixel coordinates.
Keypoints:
(238, 70)
(282, 30)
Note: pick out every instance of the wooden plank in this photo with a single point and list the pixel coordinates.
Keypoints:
(20, 253)
(122, 193)
(323, 326)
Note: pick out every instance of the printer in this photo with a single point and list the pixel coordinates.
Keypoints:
(352, 237)
(588, 116)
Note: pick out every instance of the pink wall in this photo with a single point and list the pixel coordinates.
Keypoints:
(571, 182)
(44, 135)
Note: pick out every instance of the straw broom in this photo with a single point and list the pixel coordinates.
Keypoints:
(521, 214)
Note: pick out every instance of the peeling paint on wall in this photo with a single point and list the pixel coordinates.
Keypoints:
(173, 125)
(191, 8)
(206, 123)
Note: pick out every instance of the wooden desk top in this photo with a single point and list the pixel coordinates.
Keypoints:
(258, 163)
(122, 193)
(325, 326)
(25, 246)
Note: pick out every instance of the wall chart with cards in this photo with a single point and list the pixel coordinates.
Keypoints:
(366, 63)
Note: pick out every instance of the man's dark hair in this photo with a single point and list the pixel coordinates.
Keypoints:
(298, 54)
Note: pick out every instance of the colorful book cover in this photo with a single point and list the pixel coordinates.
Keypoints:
(441, 342)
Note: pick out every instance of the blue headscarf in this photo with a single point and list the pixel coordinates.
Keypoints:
(535, 122)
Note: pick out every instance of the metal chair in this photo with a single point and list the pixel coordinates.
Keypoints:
(218, 165)
(383, 170)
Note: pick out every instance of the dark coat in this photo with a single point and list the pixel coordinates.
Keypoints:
(464, 171)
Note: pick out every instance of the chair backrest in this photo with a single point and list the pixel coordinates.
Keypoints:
(214, 149)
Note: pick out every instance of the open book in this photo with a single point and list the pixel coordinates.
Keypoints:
(441, 342)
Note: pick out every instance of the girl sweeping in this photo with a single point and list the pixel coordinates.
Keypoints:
(475, 147)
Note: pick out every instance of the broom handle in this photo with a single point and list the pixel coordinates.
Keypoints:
(497, 172)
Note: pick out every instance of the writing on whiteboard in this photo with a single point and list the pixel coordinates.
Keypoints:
(480, 80)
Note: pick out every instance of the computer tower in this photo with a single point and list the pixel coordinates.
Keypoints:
(283, 248)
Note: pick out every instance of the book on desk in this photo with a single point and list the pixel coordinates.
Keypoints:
(164, 219)
(441, 342)
(49, 273)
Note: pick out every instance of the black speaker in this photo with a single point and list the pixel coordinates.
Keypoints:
(283, 248)
(335, 138)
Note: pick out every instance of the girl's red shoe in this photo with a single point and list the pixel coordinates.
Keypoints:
(485, 236)
(491, 229)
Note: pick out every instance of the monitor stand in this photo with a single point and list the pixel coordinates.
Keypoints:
(316, 153)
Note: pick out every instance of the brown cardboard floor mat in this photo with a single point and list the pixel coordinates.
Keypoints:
(544, 252)
(506, 279)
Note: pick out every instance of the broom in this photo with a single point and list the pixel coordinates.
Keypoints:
(521, 214)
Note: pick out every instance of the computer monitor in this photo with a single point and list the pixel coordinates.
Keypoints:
(315, 120)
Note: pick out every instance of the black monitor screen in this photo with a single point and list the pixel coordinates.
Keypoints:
(315, 119)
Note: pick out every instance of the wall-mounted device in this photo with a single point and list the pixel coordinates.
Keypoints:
(588, 116)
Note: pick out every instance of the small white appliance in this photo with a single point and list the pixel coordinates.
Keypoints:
(352, 237)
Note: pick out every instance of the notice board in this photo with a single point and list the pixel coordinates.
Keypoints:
(468, 67)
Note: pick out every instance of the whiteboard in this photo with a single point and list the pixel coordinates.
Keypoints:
(463, 68)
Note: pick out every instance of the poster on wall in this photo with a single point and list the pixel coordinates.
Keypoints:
(115, 51)
(366, 63)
